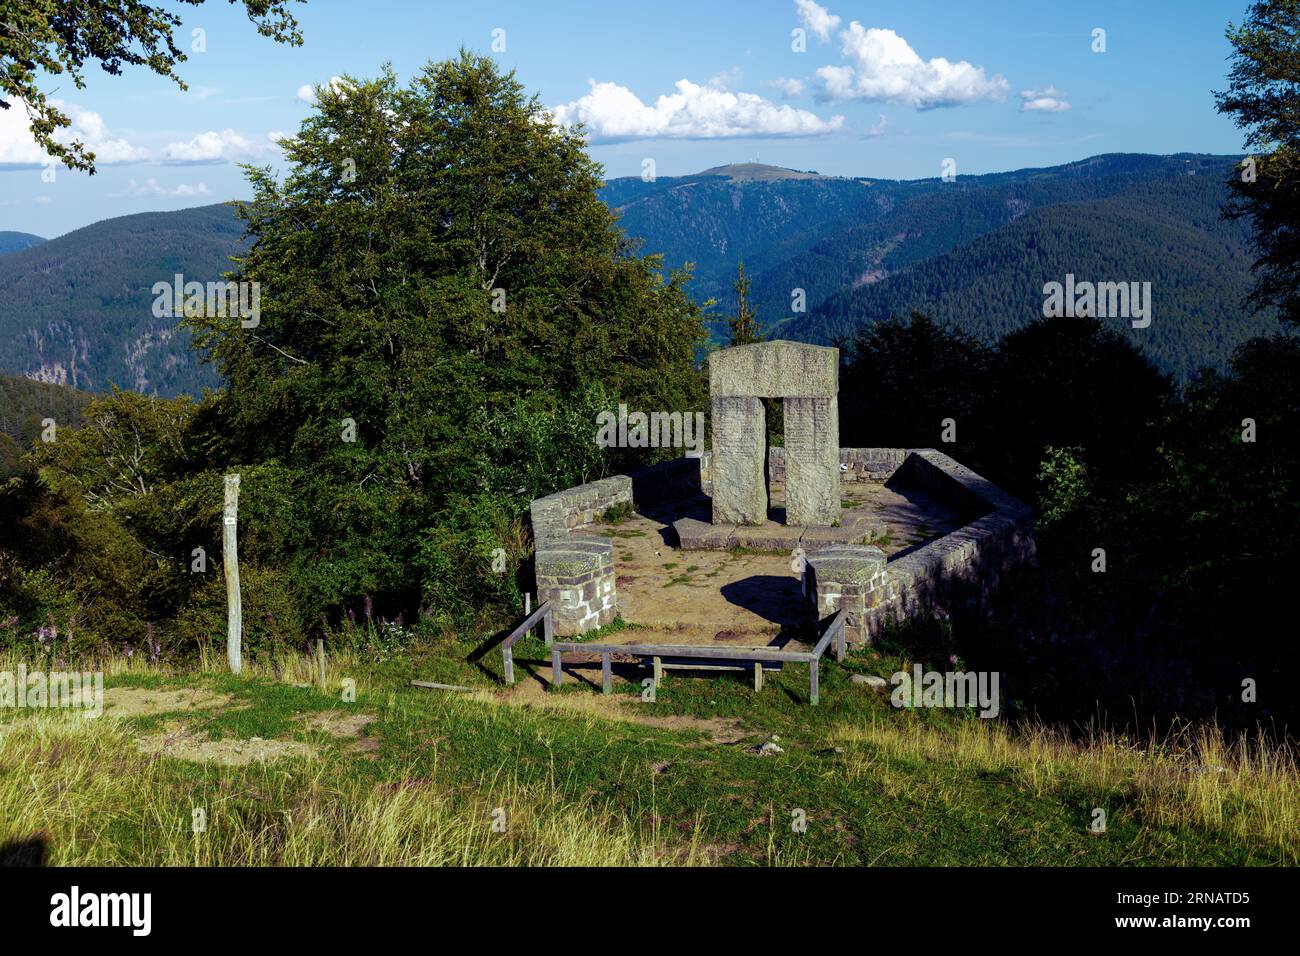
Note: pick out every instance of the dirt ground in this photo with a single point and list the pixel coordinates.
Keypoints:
(740, 597)
(141, 701)
(721, 731)
(180, 741)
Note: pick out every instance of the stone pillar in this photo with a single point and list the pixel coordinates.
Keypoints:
(812, 461)
(739, 460)
(849, 578)
(577, 576)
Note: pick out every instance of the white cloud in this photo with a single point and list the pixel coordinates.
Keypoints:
(613, 112)
(1050, 100)
(878, 129)
(307, 93)
(213, 147)
(19, 147)
(817, 19)
(789, 88)
(151, 187)
(883, 67)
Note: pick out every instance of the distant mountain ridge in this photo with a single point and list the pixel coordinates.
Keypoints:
(862, 250)
(17, 241)
(78, 309)
(975, 252)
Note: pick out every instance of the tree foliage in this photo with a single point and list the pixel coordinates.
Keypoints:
(61, 36)
(445, 306)
(1263, 97)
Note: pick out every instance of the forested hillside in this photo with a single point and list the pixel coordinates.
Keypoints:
(976, 251)
(17, 241)
(1172, 237)
(24, 404)
(77, 309)
(972, 249)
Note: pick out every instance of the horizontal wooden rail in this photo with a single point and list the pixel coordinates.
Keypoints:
(543, 614)
(834, 633)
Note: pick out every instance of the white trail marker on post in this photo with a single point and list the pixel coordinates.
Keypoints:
(230, 555)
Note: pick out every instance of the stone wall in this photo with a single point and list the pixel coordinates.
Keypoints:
(958, 570)
(574, 570)
(856, 464)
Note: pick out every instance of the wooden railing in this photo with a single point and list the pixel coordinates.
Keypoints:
(542, 614)
(833, 635)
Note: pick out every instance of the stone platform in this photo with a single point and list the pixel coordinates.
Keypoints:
(696, 535)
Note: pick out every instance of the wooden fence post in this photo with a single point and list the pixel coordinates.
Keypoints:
(230, 558)
(320, 658)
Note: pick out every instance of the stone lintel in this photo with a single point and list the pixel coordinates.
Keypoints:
(777, 369)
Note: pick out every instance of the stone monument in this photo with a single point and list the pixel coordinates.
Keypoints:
(806, 379)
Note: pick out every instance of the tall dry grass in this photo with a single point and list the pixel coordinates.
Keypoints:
(1247, 787)
(83, 787)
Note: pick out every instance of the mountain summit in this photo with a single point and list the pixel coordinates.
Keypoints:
(760, 172)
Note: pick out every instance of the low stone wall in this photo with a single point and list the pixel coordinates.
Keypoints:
(957, 569)
(960, 568)
(856, 464)
(575, 571)
(870, 464)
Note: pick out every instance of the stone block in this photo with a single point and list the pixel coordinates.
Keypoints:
(777, 369)
(693, 535)
(848, 578)
(739, 461)
(812, 461)
(768, 537)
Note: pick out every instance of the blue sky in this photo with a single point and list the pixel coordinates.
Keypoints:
(886, 89)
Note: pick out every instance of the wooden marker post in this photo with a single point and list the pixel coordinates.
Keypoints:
(320, 657)
(230, 559)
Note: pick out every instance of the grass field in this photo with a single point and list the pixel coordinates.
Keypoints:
(404, 775)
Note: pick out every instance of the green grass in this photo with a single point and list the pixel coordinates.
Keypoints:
(585, 783)
(739, 551)
(617, 514)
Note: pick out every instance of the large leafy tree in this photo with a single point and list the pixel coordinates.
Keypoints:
(1263, 97)
(440, 281)
(61, 36)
